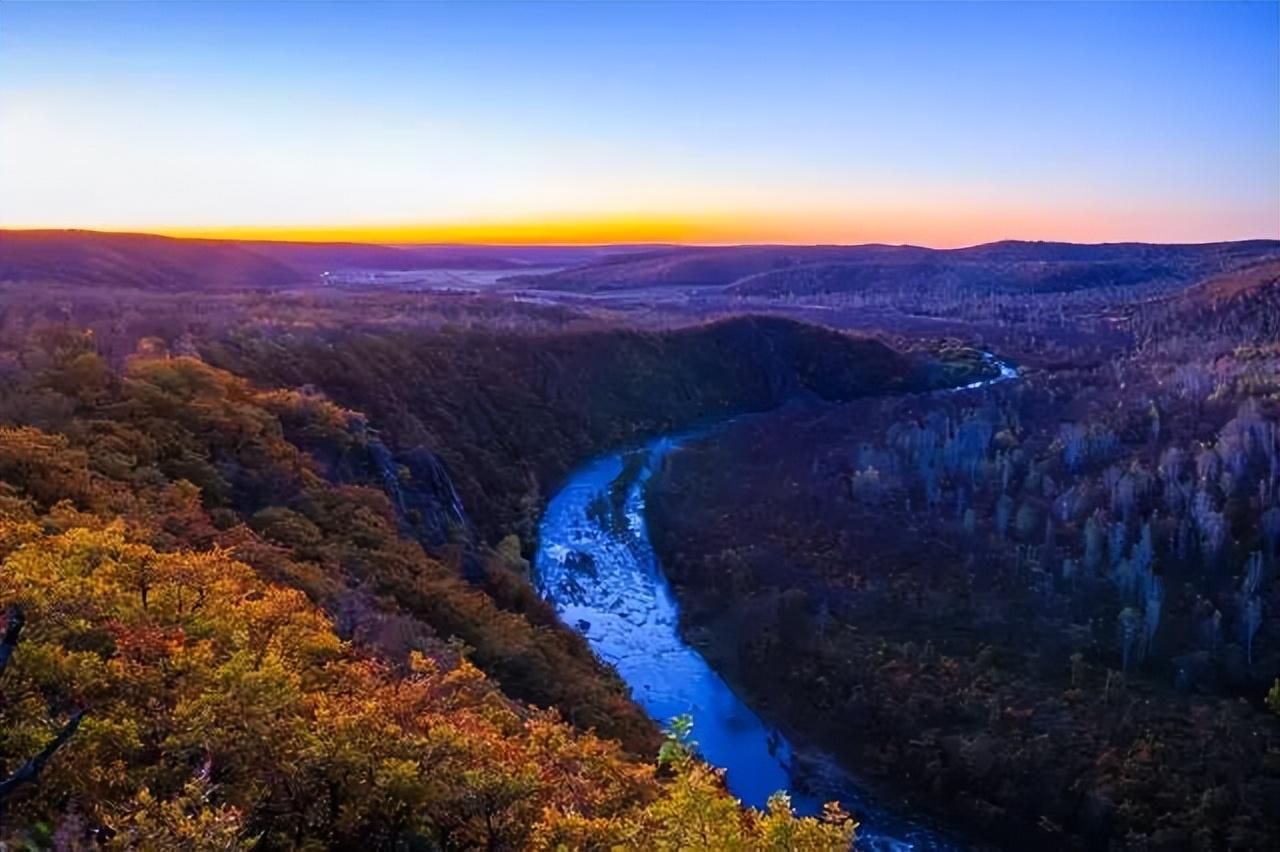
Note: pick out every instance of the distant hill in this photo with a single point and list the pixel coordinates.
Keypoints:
(152, 262)
(142, 261)
(315, 258)
(706, 266)
(1037, 250)
(1240, 307)
(1011, 266)
(1243, 286)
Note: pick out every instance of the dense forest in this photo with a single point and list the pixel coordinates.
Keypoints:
(1046, 604)
(511, 414)
(236, 615)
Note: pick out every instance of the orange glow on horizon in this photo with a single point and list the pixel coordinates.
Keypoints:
(918, 226)
(583, 231)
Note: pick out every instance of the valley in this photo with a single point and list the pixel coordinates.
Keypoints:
(596, 565)
(879, 569)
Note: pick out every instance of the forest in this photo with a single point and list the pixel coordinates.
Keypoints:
(1048, 605)
(267, 554)
(215, 638)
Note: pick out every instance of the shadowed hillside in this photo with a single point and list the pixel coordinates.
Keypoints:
(512, 414)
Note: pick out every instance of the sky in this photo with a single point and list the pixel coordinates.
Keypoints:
(936, 124)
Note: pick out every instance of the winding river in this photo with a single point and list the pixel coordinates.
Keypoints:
(596, 565)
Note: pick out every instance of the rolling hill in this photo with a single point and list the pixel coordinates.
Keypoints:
(157, 263)
(1236, 308)
(1260, 282)
(139, 261)
(1009, 266)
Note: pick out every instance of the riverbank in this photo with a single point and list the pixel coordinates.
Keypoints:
(604, 580)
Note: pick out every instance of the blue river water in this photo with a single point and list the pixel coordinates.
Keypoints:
(602, 576)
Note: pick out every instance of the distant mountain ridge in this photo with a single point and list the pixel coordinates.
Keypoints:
(141, 261)
(152, 262)
(806, 270)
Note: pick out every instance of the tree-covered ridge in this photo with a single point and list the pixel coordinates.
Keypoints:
(221, 711)
(194, 456)
(256, 656)
(512, 414)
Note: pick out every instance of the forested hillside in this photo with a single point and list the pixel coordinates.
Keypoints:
(1011, 266)
(1048, 606)
(210, 643)
(511, 414)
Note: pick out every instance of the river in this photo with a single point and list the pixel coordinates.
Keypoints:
(598, 569)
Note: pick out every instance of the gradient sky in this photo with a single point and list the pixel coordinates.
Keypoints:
(940, 124)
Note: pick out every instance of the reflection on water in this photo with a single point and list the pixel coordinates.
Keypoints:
(1006, 371)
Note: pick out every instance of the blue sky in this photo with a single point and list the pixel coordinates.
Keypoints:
(920, 122)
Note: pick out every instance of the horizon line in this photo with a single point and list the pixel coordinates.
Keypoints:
(340, 236)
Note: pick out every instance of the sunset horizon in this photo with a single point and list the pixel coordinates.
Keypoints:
(477, 123)
(640, 231)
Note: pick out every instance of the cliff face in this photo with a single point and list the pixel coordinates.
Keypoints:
(416, 482)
